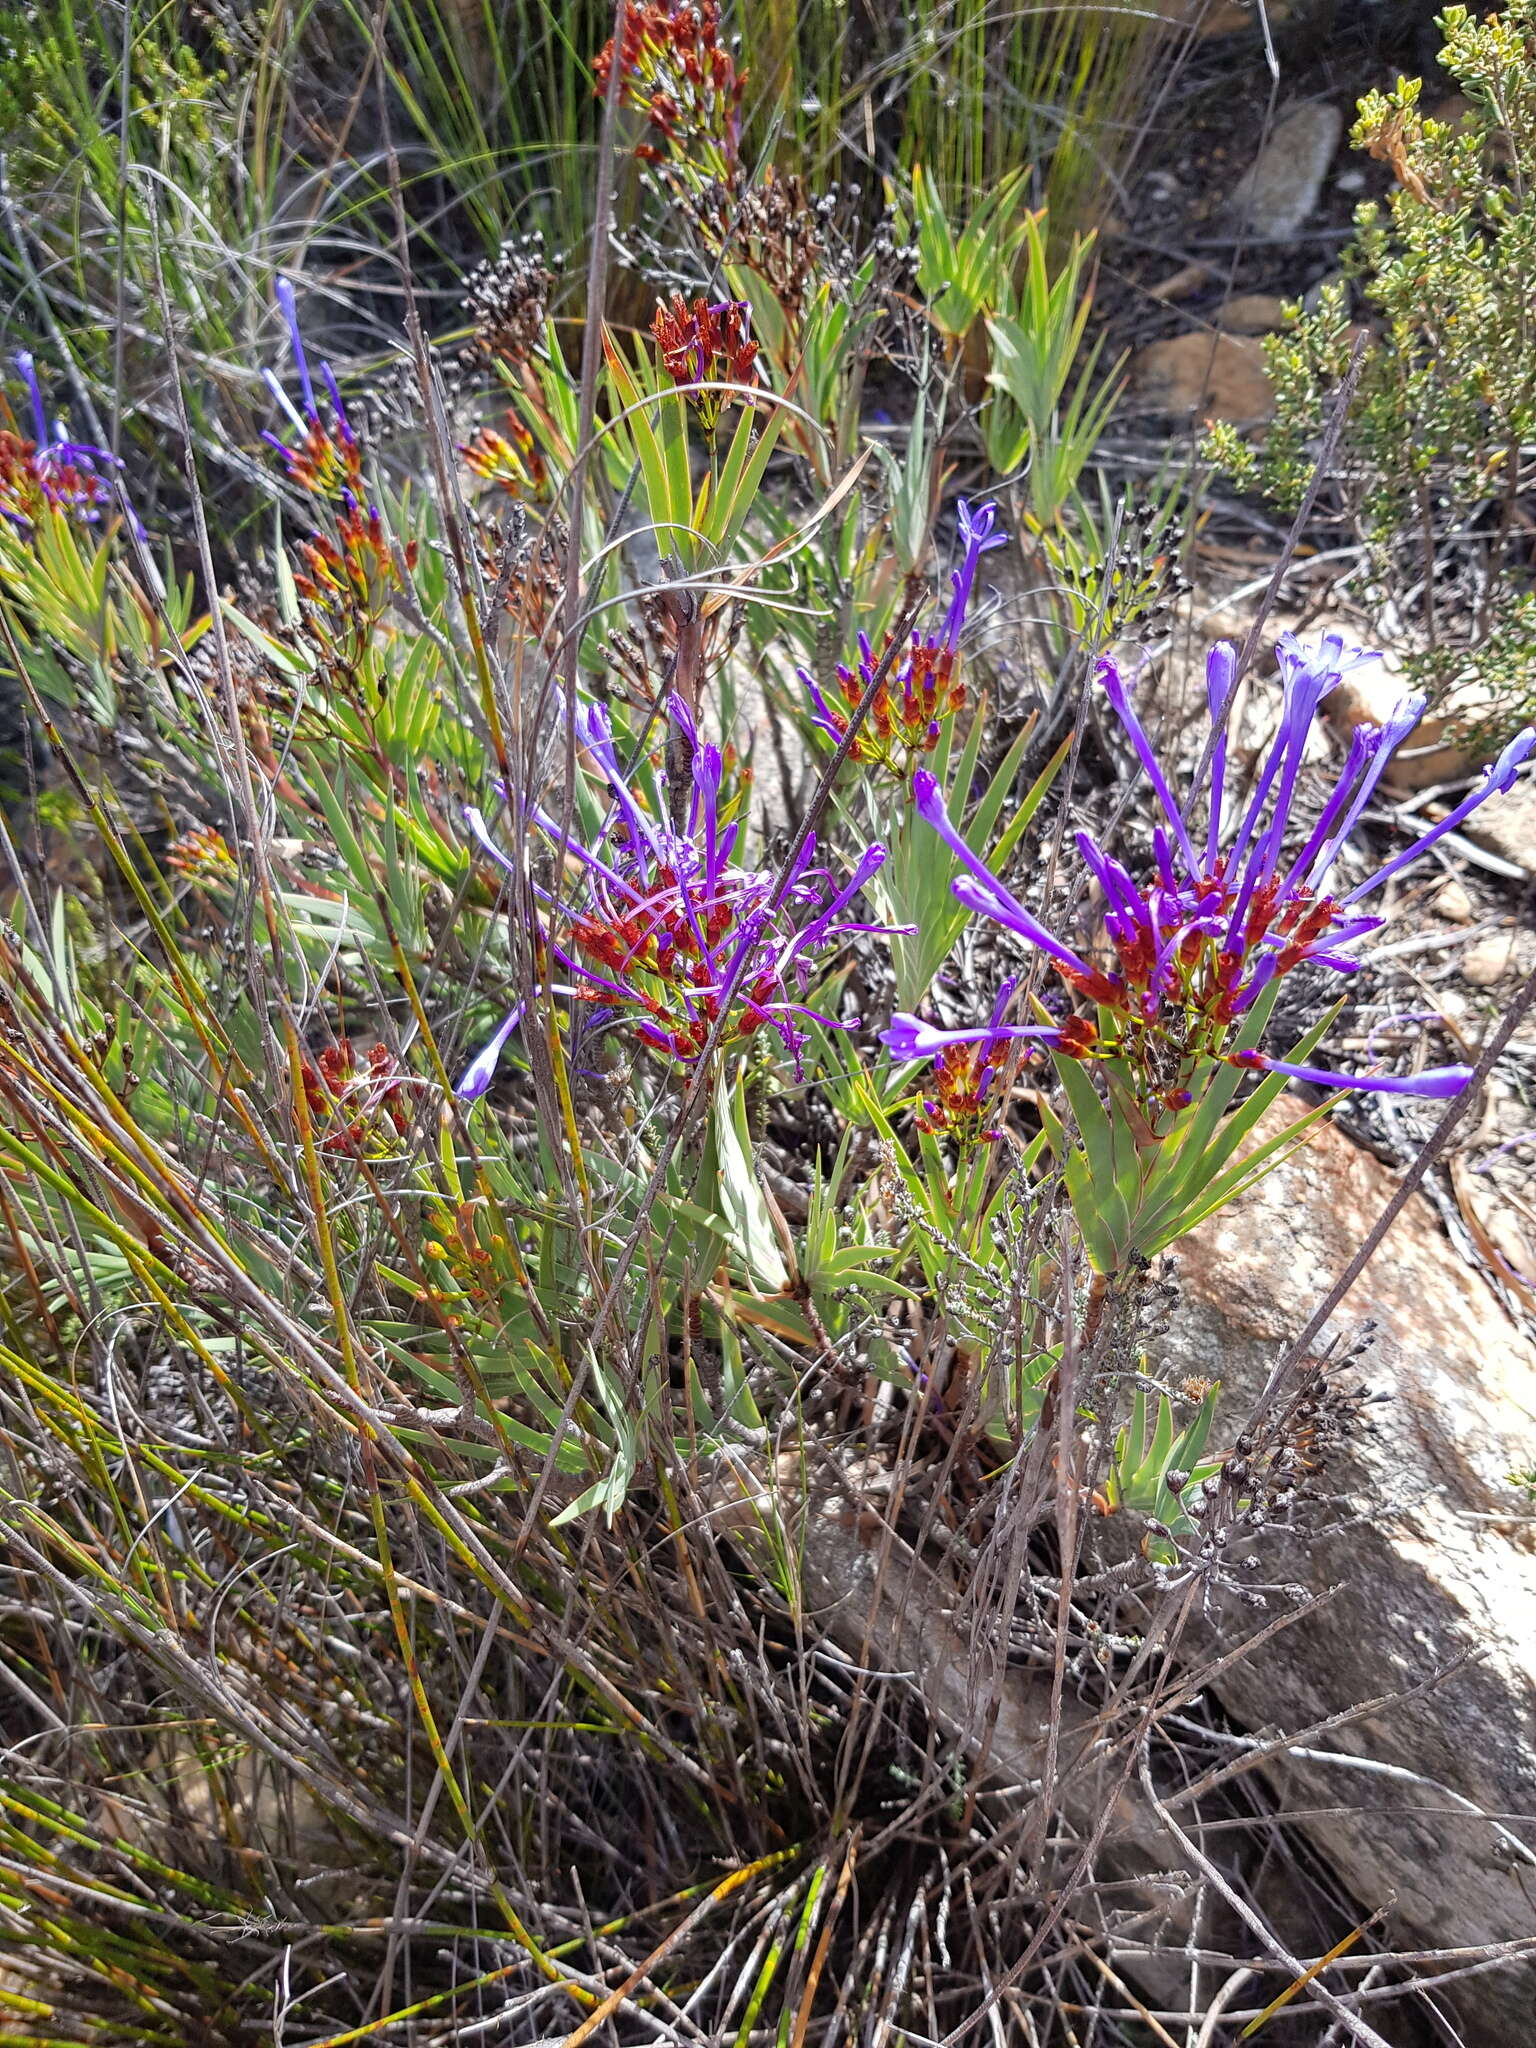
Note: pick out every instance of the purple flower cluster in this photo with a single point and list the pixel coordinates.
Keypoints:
(1214, 926)
(668, 932)
(51, 470)
(969, 1066)
(324, 460)
(924, 687)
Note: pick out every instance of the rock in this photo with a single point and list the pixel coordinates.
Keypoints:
(1489, 960)
(1453, 903)
(1220, 376)
(1278, 194)
(1253, 313)
(1225, 622)
(1501, 1229)
(1439, 1566)
(1431, 754)
(1181, 283)
(1506, 825)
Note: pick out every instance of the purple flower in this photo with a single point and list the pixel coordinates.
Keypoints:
(1437, 1083)
(967, 1071)
(481, 1071)
(668, 932)
(54, 472)
(923, 687)
(323, 459)
(979, 532)
(1206, 934)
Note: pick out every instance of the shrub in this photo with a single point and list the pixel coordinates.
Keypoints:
(1434, 460)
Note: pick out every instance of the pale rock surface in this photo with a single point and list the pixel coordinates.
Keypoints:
(1431, 754)
(1253, 313)
(1276, 197)
(1453, 903)
(1506, 825)
(1488, 960)
(1220, 376)
(1440, 1566)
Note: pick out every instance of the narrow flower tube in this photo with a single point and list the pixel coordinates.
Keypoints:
(1113, 686)
(1435, 1083)
(1380, 748)
(1220, 683)
(481, 1071)
(290, 312)
(909, 1038)
(984, 892)
(1496, 780)
(977, 535)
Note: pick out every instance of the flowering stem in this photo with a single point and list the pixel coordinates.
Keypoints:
(701, 1078)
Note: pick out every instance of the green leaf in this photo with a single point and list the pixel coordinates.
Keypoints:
(749, 1226)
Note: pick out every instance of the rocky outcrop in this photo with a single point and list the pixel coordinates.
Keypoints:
(1429, 1567)
(1418, 1558)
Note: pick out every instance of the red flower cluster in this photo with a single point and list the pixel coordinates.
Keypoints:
(511, 460)
(906, 711)
(675, 70)
(357, 1101)
(49, 473)
(202, 854)
(345, 580)
(923, 687)
(701, 345)
(29, 485)
(326, 460)
(662, 954)
(965, 1089)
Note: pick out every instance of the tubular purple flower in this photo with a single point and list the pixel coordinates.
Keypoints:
(983, 891)
(1331, 659)
(977, 536)
(481, 1071)
(1385, 741)
(72, 476)
(664, 932)
(994, 901)
(1199, 944)
(290, 312)
(1119, 890)
(596, 734)
(1364, 743)
(825, 719)
(340, 411)
(908, 1038)
(297, 419)
(577, 851)
(1220, 682)
(870, 863)
(27, 367)
(1115, 690)
(1309, 676)
(1497, 779)
(475, 819)
(708, 768)
(1435, 1083)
